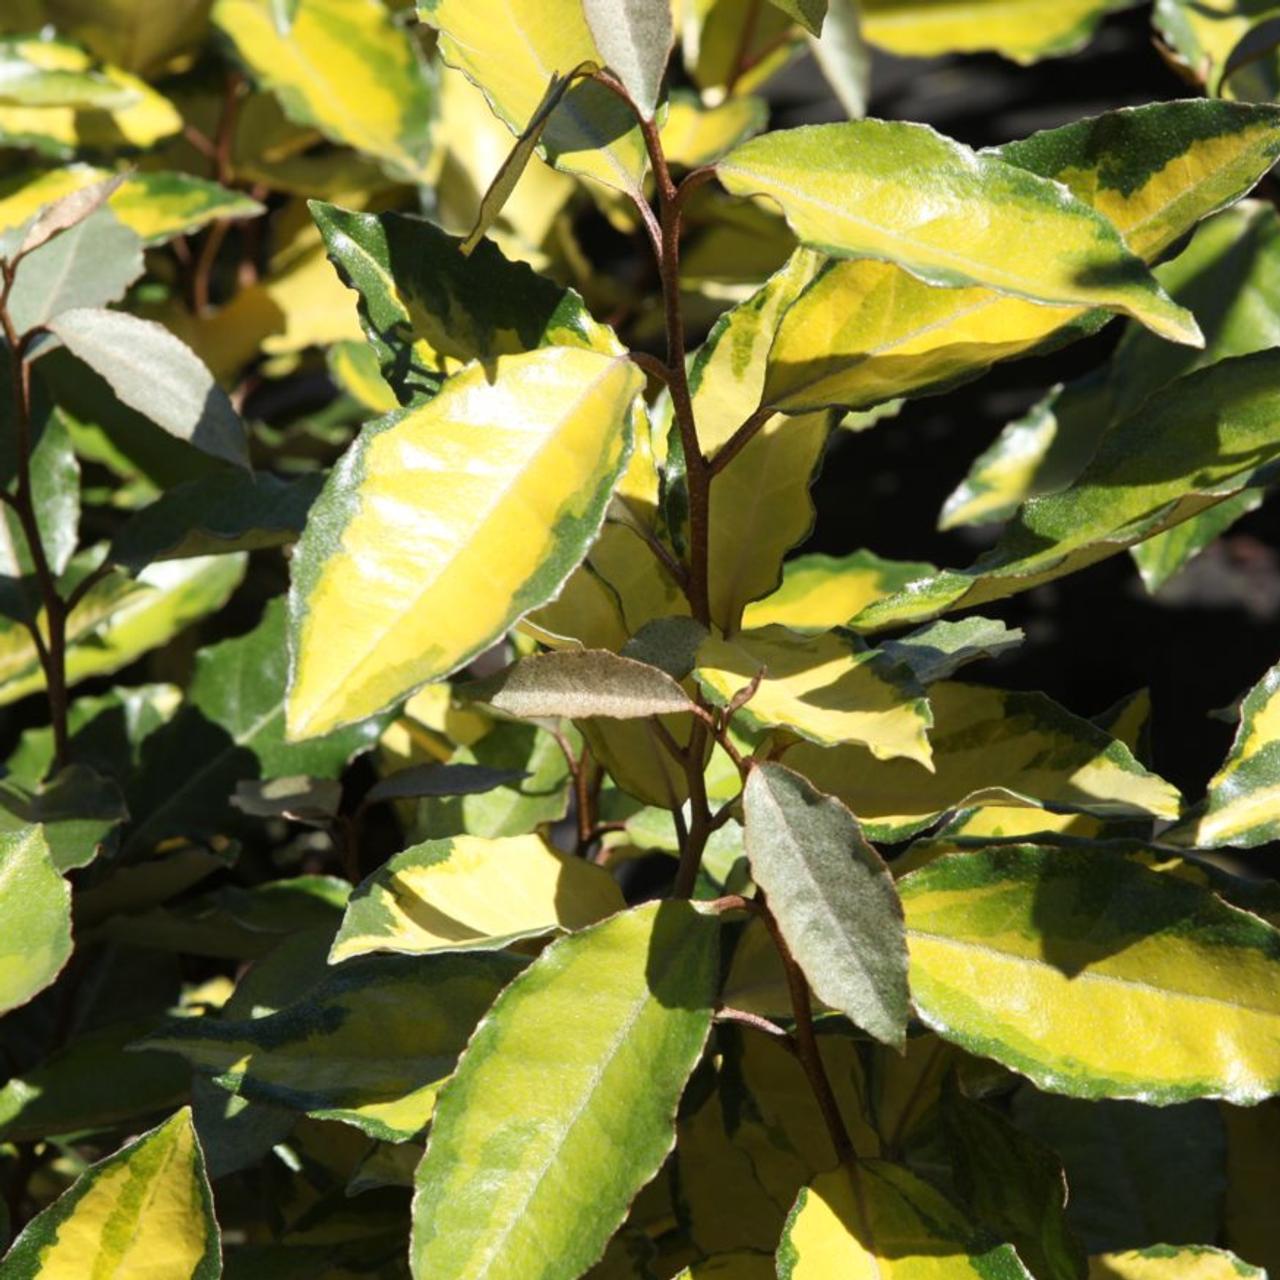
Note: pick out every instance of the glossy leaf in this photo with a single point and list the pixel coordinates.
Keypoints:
(345, 68)
(156, 374)
(821, 592)
(515, 1169)
(148, 1207)
(1242, 808)
(223, 513)
(370, 1044)
(511, 50)
(580, 686)
(89, 265)
(35, 917)
(634, 38)
(1094, 976)
(833, 899)
(990, 747)
(877, 1221)
(1024, 30)
(1167, 1262)
(428, 308)
(694, 135)
(866, 332)
(829, 688)
(848, 190)
(551, 471)
(231, 729)
(470, 894)
(939, 650)
(1125, 494)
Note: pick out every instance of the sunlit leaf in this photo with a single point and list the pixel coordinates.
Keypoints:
(35, 917)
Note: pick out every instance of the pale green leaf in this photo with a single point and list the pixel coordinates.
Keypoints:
(833, 898)
(35, 917)
(634, 38)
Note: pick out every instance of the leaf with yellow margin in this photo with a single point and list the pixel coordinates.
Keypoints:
(147, 1209)
(1173, 1262)
(431, 500)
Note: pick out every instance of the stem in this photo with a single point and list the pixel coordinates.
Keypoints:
(741, 1016)
(742, 437)
(220, 163)
(807, 1045)
(53, 652)
(740, 54)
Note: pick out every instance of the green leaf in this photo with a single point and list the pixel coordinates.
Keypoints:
(821, 592)
(65, 213)
(402, 505)
(634, 38)
(35, 917)
(990, 747)
(118, 621)
(142, 36)
(70, 1093)
(89, 265)
(579, 685)
(833, 898)
(428, 308)
(515, 1170)
(230, 729)
(216, 515)
(55, 497)
(1095, 976)
(1161, 558)
(158, 375)
(1136, 1173)
(369, 1045)
(808, 13)
(441, 780)
(878, 1219)
(511, 48)
(1127, 493)
(146, 1208)
(471, 894)
(23, 83)
(858, 190)
(939, 650)
(829, 689)
(693, 134)
(1024, 30)
(1013, 1184)
(865, 332)
(1173, 1262)
(77, 809)
(161, 205)
(1242, 807)
(1203, 37)
(346, 68)
(843, 57)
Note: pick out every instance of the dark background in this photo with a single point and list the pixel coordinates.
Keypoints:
(1096, 636)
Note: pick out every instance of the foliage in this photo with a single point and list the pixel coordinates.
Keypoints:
(445, 831)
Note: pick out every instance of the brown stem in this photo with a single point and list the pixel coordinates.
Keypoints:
(746, 1019)
(52, 651)
(807, 1045)
(741, 53)
(742, 437)
(220, 162)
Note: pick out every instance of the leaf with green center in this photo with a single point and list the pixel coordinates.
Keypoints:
(218, 514)
(878, 1221)
(1127, 493)
(858, 190)
(35, 917)
(939, 650)
(990, 747)
(1242, 807)
(1095, 976)
(231, 729)
(511, 49)
(158, 375)
(634, 38)
(434, 498)
(833, 898)
(471, 894)
(579, 685)
(428, 308)
(1024, 30)
(866, 332)
(370, 1044)
(147, 1208)
(828, 688)
(346, 68)
(515, 1170)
